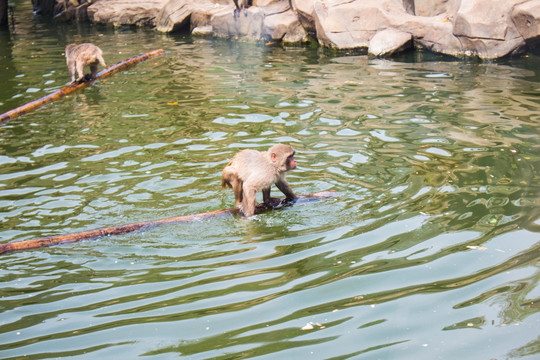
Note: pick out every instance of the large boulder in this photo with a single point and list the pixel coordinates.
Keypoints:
(188, 14)
(388, 42)
(526, 18)
(435, 7)
(485, 33)
(248, 24)
(351, 24)
(122, 12)
(304, 10)
(273, 22)
(285, 27)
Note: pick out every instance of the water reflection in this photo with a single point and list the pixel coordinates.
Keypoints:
(431, 249)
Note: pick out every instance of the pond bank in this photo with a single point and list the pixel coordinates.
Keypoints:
(382, 27)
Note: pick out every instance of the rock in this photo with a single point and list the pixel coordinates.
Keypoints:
(284, 26)
(484, 28)
(435, 7)
(174, 15)
(203, 30)
(304, 10)
(122, 12)
(71, 10)
(274, 22)
(201, 16)
(389, 41)
(432, 33)
(247, 25)
(188, 14)
(487, 34)
(475, 20)
(351, 24)
(526, 18)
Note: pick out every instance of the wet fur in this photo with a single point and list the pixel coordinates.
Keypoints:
(251, 171)
(79, 56)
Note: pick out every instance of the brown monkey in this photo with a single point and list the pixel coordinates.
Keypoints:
(79, 56)
(251, 171)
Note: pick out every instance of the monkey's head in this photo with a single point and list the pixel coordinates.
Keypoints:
(282, 157)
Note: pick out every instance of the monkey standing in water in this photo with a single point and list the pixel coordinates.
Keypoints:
(79, 56)
(251, 171)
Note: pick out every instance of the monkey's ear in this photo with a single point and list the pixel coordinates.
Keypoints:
(273, 156)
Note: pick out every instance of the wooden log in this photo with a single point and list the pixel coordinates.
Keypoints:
(68, 89)
(145, 225)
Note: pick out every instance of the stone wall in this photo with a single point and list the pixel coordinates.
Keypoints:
(486, 29)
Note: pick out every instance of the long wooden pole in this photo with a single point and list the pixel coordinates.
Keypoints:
(144, 225)
(68, 89)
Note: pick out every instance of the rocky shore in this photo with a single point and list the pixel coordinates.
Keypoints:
(487, 29)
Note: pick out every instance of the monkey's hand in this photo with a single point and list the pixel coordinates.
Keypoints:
(273, 202)
(289, 200)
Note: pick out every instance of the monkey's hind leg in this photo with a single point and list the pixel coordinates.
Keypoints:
(80, 71)
(238, 192)
(230, 179)
(93, 70)
(72, 70)
(249, 201)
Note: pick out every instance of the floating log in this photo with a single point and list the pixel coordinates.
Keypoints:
(145, 225)
(68, 89)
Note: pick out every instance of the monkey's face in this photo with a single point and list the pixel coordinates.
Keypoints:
(290, 162)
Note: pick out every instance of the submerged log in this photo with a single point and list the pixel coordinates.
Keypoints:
(68, 89)
(145, 225)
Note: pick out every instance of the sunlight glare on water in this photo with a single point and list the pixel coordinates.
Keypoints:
(430, 251)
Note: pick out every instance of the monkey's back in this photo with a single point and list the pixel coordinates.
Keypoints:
(252, 166)
(87, 53)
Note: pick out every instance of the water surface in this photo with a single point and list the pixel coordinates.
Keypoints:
(431, 250)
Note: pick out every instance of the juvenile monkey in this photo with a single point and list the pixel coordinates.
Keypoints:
(251, 171)
(79, 56)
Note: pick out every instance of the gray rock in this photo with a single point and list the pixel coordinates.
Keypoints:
(203, 30)
(486, 32)
(526, 18)
(435, 7)
(122, 12)
(388, 42)
(247, 25)
(304, 10)
(285, 27)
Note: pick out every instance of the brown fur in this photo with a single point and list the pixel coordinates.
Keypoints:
(251, 171)
(79, 56)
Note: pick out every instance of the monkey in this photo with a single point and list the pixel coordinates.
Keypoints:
(251, 171)
(241, 4)
(79, 56)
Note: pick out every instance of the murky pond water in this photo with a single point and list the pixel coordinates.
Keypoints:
(431, 250)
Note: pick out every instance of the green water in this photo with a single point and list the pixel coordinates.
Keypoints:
(431, 250)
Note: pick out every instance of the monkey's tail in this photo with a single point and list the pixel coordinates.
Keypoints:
(101, 60)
